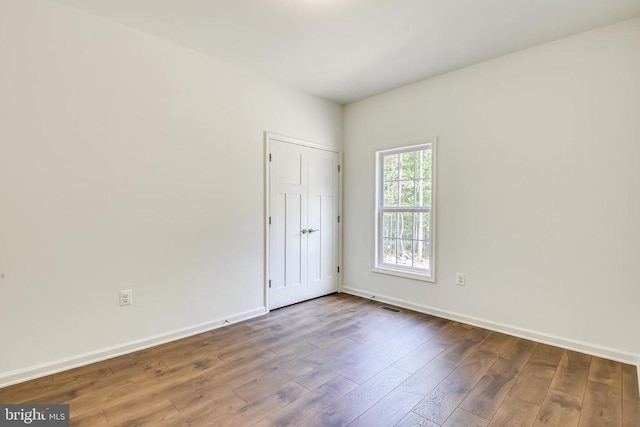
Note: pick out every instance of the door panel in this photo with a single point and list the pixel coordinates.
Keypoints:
(314, 250)
(288, 248)
(303, 251)
(323, 216)
(278, 242)
(293, 246)
(291, 172)
(329, 260)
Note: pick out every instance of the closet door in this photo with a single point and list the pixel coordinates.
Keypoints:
(303, 244)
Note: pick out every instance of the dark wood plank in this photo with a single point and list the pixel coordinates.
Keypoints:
(93, 417)
(394, 349)
(442, 401)
(32, 390)
(485, 399)
(414, 420)
(310, 404)
(487, 396)
(292, 347)
(519, 351)
(515, 413)
(91, 372)
(395, 405)
(348, 408)
(602, 406)
(110, 390)
(572, 374)
(426, 328)
(546, 355)
(238, 372)
(365, 370)
(559, 410)
(606, 372)
(140, 411)
(390, 409)
(263, 385)
(533, 382)
(207, 403)
(255, 411)
(420, 356)
(317, 376)
(630, 397)
(462, 418)
(496, 343)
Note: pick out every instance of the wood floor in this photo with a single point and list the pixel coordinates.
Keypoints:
(342, 360)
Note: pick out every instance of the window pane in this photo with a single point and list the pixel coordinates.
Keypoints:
(407, 193)
(389, 251)
(423, 192)
(408, 165)
(420, 254)
(421, 226)
(389, 225)
(406, 225)
(391, 167)
(405, 253)
(423, 167)
(391, 193)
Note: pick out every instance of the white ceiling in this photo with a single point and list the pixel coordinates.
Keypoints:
(345, 50)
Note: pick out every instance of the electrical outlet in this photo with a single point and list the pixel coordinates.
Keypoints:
(126, 297)
(460, 279)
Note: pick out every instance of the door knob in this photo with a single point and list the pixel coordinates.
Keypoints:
(313, 231)
(305, 231)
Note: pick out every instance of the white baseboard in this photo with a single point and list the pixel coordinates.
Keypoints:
(49, 368)
(569, 344)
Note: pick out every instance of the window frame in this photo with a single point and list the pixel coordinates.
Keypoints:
(403, 271)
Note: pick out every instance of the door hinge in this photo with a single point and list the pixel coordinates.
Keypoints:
(338, 168)
(269, 220)
(338, 269)
(269, 282)
(269, 156)
(338, 218)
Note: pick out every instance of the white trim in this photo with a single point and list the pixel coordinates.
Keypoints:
(53, 367)
(268, 136)
(541, 337)
(407, 274)
(377, 266)
(341, 215)
(267, 201)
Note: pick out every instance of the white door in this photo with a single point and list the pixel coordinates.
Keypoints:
(303, 234)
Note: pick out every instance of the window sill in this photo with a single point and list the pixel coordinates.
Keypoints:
(404, 273)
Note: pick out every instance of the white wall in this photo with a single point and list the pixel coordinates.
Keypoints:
(539, 189)
(128, 162)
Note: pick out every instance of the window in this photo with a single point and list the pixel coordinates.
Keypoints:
(405, 211)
